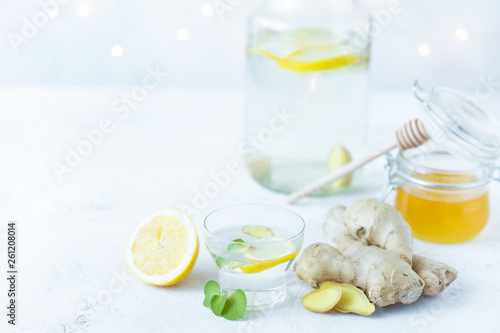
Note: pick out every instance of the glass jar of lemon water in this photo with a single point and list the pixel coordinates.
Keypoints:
(306, 91)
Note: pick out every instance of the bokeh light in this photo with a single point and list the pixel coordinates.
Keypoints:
(117, 51)
(423, 50)
(461, 34)
(183, 35)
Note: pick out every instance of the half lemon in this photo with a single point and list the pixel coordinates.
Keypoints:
(163, 247)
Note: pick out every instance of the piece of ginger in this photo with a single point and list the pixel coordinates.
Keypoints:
(258, 231)
(322, 300)
(374, 254)
(436, 275)
(383, 275)
(378, 223)
(353, 299)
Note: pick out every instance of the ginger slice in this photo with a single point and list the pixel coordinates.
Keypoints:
(258, 231)
(353, 299)
(322, 300)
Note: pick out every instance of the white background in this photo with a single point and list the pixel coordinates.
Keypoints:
(74, 47)
(72, 233)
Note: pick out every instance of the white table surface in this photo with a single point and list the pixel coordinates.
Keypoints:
(72, 233)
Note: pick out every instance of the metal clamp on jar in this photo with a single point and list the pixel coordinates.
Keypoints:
(442, 186)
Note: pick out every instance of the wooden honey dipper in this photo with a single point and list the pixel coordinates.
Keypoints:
(410, 135)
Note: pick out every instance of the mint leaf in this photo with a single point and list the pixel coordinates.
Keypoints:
(240, 246)
(235, 306)
(230, 308)
(226, 263)
(217, 304)
(211, 288)
(221, 262)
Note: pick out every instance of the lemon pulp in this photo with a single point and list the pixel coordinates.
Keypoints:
(163, 247)
(160, 245)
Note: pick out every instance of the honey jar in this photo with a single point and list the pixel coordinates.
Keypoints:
(442, 186)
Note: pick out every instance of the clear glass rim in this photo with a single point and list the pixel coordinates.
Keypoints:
(483, 172)
(285, 239)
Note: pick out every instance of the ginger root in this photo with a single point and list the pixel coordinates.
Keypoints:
(375, 254)
(353, 299)
(378, 223)
(436, 275)
(322, 300)
(384, 277)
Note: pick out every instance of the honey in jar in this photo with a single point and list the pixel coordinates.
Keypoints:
(443, 197)
(444, 215)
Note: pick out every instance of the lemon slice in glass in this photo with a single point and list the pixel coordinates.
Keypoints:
(271, 248)
(267, 253)
(262, 266)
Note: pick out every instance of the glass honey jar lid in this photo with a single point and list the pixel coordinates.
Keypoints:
(457, 123)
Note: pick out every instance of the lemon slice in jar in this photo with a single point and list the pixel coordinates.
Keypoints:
(311, 37)
(276, 50)
(308, 50)
(310, 60)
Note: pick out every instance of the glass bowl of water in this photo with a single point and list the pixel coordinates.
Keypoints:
(253, 246)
